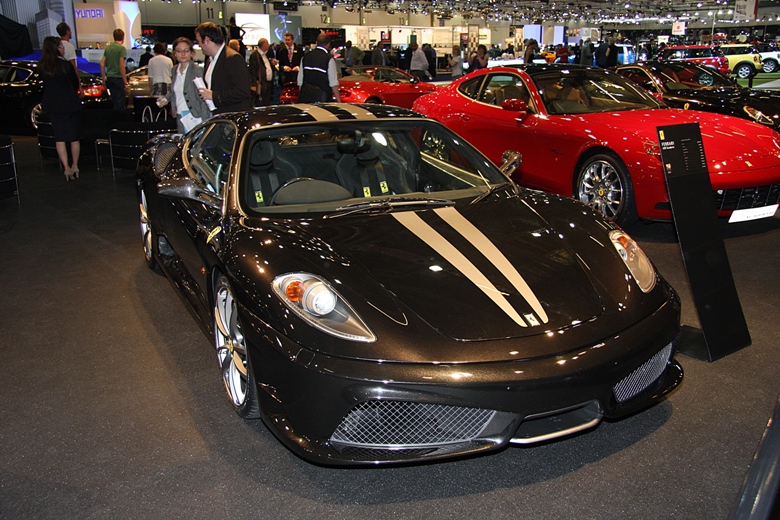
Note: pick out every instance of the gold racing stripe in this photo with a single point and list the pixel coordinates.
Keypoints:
(318, 113)
(470, 232)
(427, 234)
(359, 113)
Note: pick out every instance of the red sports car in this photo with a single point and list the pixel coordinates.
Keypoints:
(372, 84)
(591, 134)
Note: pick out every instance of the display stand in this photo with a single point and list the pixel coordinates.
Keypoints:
(9, 185)
(146, 110)
(723, 326)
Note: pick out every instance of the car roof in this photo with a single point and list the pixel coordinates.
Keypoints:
(20, 63)
(687, 47)
(319, 113)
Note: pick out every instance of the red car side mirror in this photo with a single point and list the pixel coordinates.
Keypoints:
(514, 105)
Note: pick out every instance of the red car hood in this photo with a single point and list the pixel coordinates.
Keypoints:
(731, 145)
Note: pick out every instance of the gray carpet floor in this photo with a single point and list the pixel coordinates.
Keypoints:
(111, 404)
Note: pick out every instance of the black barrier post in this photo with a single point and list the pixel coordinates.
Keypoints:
(723, 325)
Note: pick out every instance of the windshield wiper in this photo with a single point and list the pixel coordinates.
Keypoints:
(495, 188)
(384, 205)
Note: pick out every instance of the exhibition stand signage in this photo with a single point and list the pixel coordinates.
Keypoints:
(723, 326)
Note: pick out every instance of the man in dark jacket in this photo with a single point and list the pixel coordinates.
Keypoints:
(289, 57)
(226, 74)
(601, 55)
(262, 73)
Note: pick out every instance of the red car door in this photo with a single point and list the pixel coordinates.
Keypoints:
(541, 139)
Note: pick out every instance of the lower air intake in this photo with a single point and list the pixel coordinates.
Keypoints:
(643, 376)
(385, 424)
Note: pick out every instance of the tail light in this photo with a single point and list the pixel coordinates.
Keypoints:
(93, 90)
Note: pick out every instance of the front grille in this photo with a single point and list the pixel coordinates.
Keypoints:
(745, 198)
(643, 376)
(405, 424)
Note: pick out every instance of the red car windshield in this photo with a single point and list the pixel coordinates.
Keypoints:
(585, 91)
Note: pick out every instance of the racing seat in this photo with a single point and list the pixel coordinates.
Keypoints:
(363, 173)
(267, 172)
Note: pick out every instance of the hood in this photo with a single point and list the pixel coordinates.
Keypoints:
(735, 98)
(465, 273)
(731, 144)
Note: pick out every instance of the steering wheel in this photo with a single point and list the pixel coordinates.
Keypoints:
(272, 201)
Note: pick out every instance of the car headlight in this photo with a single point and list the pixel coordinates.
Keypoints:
(315, 301)
(635, 259)
(757, 115)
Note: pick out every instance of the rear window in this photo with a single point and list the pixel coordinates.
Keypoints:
(700, 53)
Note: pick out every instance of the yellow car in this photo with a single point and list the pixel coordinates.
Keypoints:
(744, 59)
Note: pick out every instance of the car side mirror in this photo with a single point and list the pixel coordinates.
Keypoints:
(415, 80)
(510, 162)
(188, 189)
(514, 105)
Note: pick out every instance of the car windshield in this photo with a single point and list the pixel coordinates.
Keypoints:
(586, 91)
(386, 74)
(680, 76)
(328, 167)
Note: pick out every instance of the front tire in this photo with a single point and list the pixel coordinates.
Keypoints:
(232, 354)
(147, 234)
(603, 183)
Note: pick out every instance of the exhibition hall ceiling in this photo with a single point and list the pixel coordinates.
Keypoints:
(596, 11)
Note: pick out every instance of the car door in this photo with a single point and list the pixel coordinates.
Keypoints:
(397, 88)
(192, 226)
(493, 130)
(16, 93)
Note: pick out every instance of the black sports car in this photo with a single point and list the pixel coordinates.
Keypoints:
(689, 86)
(379, 292)
(21, 90)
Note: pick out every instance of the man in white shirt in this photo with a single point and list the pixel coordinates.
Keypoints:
(317, 77)
(159, 70)
(419, 63)
(65, 33)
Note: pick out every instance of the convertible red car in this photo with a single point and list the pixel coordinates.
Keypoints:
(591, 134)
(372, 84)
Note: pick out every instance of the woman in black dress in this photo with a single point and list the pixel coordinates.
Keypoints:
(61, 100)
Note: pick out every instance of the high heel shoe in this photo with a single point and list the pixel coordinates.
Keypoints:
(75, 173)
(68, 174)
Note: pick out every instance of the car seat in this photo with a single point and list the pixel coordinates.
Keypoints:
(362, 173)
(512, 92)
(267, 172)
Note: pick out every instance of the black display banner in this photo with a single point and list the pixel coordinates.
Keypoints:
(723, 325)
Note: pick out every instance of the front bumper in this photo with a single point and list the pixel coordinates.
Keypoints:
(348, 412)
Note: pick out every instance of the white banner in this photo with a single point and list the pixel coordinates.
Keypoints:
(745, 9)
(678, 28)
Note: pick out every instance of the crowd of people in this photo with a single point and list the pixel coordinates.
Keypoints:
(232, 81)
